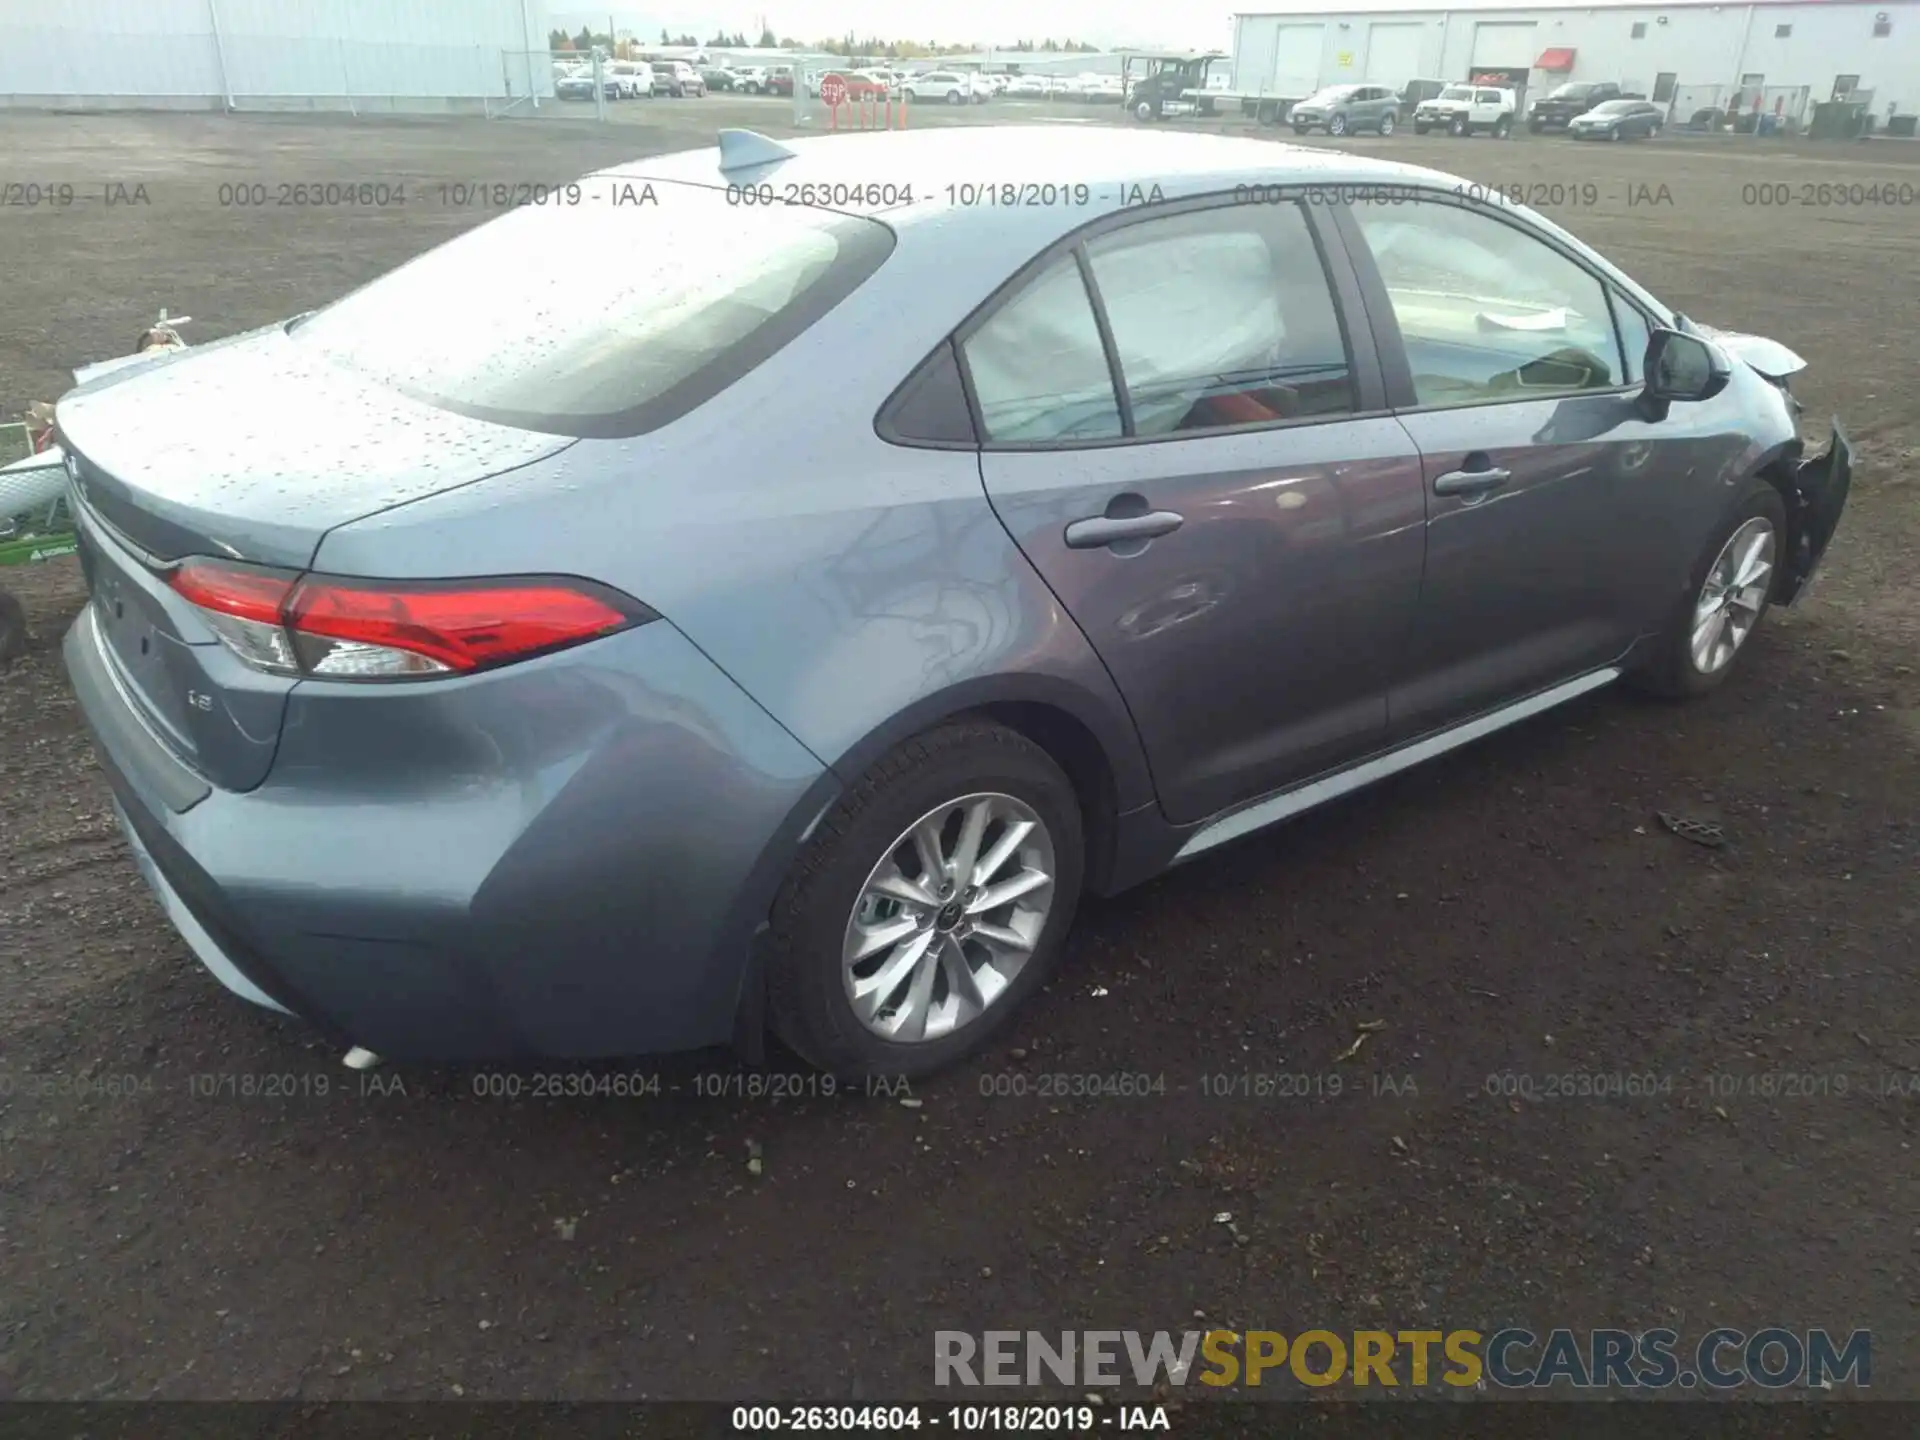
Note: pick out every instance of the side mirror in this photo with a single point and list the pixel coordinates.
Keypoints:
(1680, 367)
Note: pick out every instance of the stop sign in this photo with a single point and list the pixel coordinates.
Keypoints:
(833, 90)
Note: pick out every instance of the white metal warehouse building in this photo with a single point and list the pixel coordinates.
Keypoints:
(1692, 52)
(379, 55)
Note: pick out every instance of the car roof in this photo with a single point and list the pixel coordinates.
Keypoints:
(1104, 158)
(903, 178)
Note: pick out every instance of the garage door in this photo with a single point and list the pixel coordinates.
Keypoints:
(1503, 46)
(1296, 60)
(1393, 54)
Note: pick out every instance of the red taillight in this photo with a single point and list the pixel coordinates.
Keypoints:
(257, 595)
(462, 628)
(340, 628)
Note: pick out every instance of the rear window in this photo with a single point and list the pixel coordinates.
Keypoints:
(600, 319)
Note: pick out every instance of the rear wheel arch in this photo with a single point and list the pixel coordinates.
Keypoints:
(1096, 747)
(1077, 751)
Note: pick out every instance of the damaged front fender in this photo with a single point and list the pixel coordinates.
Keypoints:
(1814, 488)
(1816, 493)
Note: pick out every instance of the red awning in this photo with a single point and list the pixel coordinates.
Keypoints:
(1554, 60)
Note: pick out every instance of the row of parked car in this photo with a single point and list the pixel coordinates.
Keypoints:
(959, 87)
(639, 79)
(632, 80)
(1589, 110)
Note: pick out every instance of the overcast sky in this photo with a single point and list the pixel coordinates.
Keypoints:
(1177, 24)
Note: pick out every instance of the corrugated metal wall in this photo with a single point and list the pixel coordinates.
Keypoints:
(1702, 44)
(268, 50)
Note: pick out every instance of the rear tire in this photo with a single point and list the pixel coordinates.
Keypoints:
(13, 629)
(1502, 128)
(830, 890)
(1387, 124)
(1671, 669)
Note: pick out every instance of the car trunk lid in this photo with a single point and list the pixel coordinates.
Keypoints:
(251, 450)
(254, 447)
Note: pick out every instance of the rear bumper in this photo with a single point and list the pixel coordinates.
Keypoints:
(564, 859)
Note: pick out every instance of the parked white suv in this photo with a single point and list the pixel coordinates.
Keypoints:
(628, 80)
(1467, 109)
(956, 87)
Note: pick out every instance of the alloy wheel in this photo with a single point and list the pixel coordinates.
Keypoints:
(948, 917)
(1733, 596)
(1337, 125)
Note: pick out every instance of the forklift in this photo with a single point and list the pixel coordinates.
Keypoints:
(1162, 86)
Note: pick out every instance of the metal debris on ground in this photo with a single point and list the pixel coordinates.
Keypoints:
(1700, 832)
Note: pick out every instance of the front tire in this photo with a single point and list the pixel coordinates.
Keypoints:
(1459, 129)
(1420, 129)
(1337, 126)
(874, 969)
(1726, 598)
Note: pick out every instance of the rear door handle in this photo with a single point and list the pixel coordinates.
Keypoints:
(1471, 482)
(1098, 530)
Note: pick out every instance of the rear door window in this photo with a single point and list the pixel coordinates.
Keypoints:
(1039, 372)
(1222, 317)
(600, 319)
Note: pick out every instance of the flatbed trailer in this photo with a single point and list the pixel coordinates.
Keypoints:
(1263, 107)
(1172, 85)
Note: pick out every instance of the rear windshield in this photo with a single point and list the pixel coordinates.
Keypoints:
(1615, 107)
(600, 318)
(1457, 92)
(1571, 92)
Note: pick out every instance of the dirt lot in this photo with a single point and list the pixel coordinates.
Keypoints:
(1514, 910)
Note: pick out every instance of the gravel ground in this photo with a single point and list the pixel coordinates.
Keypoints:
(1512, 910)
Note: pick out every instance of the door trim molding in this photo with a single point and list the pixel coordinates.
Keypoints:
(1287, 803)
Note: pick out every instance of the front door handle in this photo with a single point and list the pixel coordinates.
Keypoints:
(1098, 530)
(1471, 482)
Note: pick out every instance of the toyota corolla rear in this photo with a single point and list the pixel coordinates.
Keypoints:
(444, 813)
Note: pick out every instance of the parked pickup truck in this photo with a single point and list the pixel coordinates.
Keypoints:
(1557, 109)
